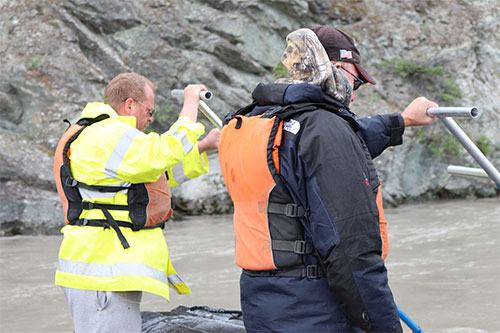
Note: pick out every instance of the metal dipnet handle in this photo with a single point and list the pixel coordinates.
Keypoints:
(466, 171)
(463, 112)
(204, 95)
(203, 107)
(445, 115)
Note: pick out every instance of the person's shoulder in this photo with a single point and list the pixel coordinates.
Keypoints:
(109, 128)
(323, 119)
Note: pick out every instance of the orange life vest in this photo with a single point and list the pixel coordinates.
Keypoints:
(249, 161)
(149, 204)
(268, 231)
(249, 182)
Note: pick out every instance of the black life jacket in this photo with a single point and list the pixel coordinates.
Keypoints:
(149, 204)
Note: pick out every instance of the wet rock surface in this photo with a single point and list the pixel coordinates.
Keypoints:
(195, 319)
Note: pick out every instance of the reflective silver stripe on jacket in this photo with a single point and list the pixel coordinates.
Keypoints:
(178, 173)
(174, 279)
(113, 270)
(118, 154)
(88, 194)
(186, 145)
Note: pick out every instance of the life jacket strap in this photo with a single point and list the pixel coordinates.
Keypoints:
(72, 182)
(289, 209)
(307, 271)
(114, 225)
(110, 221)
(87, 205)
(105, 224)
(101, 189)
(298, 247)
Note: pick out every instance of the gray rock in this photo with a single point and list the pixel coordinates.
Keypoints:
(206, 194)
(28, 210)
(194, 319)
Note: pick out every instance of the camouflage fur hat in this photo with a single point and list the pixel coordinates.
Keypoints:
(307, 61)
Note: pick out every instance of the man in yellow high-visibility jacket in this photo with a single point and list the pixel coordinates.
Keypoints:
(109, 255)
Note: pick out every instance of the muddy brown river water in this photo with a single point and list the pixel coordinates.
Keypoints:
(444, 269)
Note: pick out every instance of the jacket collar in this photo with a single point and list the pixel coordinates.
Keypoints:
(272, 94)
(95, 109)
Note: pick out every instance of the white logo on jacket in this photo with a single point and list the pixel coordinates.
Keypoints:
(292, 126)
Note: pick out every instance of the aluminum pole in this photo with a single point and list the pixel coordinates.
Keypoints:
(466, 171)
(472, 149)
(203, 107)
(464, 112)
(204, 95)
(211, 116)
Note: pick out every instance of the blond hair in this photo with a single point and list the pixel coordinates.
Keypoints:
(126, 85)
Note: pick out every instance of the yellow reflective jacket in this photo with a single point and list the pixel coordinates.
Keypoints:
(112, 152)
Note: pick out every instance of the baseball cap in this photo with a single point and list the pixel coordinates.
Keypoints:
(340, 47)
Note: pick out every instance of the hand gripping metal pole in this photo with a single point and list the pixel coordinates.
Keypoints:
(444, 115)
(203, 107)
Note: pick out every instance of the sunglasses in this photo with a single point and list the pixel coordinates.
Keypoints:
(357, 81)
(150, 111)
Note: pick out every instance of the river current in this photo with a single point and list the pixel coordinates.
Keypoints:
(444, 269)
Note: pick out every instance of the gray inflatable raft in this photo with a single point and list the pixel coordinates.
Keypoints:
(194, 319)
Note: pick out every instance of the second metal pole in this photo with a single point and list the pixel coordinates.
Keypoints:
(472, 149)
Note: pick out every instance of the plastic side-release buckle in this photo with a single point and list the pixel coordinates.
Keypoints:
(293, 210)
(70, 181)
(299, 247)
(312, 271)
(80, 222)
(87, 205)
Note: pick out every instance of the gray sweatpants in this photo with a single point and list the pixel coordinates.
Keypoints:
(104, 311)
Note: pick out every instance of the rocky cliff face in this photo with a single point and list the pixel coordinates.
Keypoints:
(57, 55)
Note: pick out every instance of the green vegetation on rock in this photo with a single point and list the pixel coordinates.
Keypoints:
(486, 146)
(441, 144)
(427, 78)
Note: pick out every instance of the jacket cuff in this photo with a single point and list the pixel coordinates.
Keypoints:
(396, 125)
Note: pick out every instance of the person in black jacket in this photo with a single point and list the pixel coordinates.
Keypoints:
(380, 131)
(321, 224)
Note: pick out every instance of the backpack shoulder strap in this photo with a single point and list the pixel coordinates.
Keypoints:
(90, 121)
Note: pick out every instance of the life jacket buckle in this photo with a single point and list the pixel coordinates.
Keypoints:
(87, 205)
(70, 181)
(293, 210)
(312, 271)
(299, 247)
